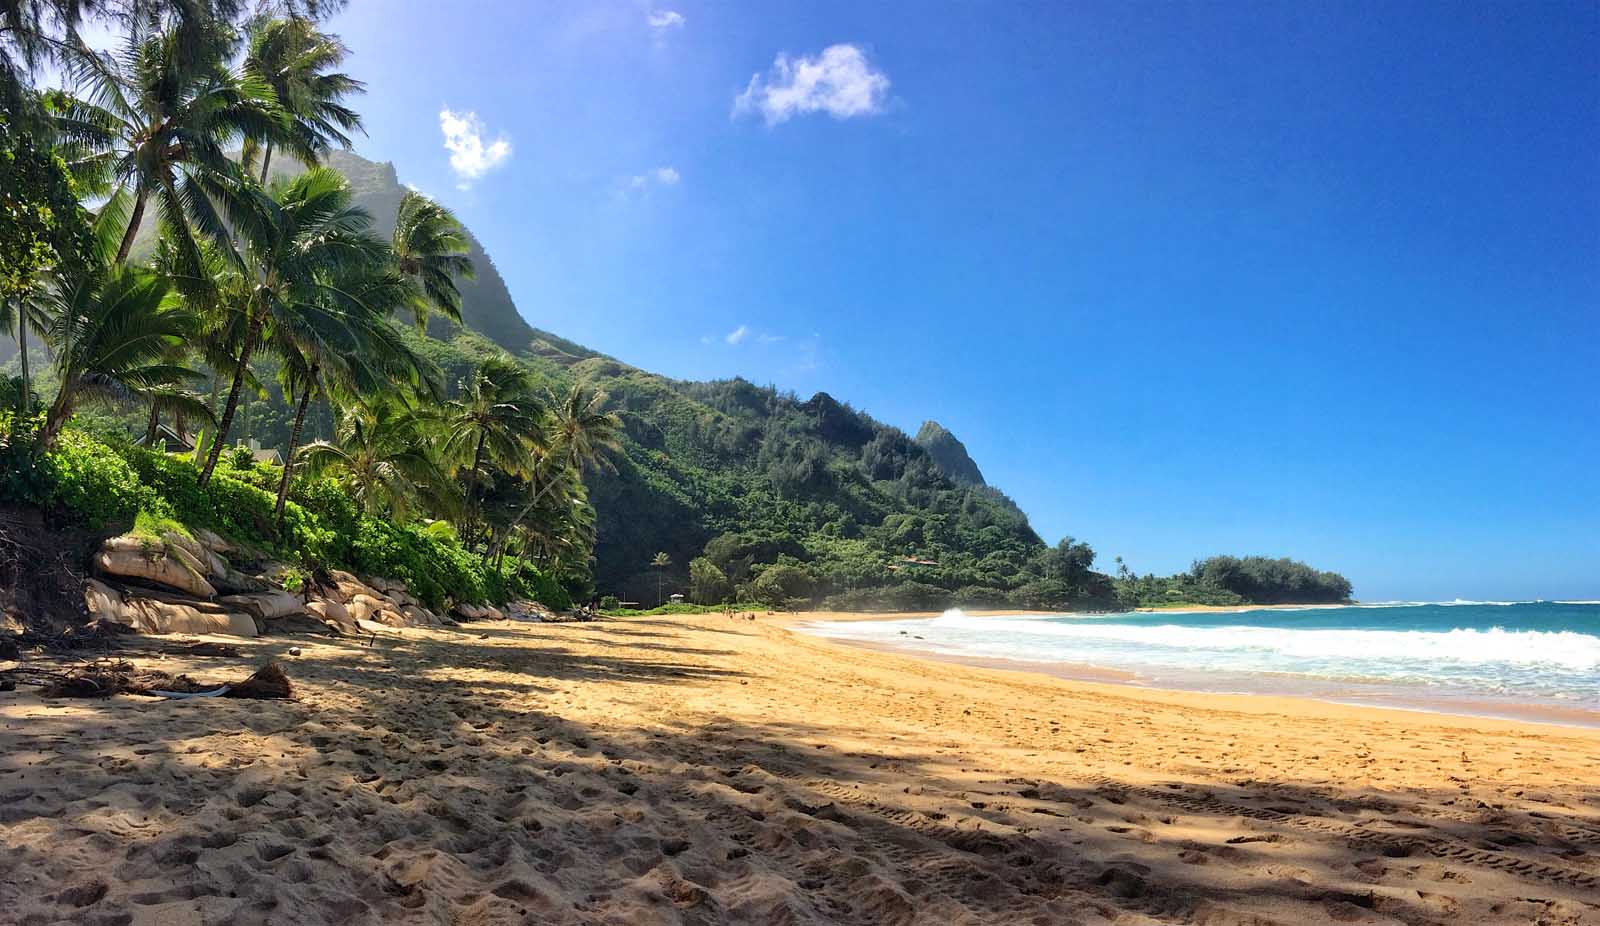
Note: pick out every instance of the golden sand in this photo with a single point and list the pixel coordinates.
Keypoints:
(708, 770)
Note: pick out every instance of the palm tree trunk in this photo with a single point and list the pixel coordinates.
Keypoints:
(60, 411)
(245, 350)
(472, 494)
(266, 159)
(22, 353)
(133, 225)
(548, 485)
(294, 441)
(150, 427)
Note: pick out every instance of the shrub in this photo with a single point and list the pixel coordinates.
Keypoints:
(779, 583)
(93, 481)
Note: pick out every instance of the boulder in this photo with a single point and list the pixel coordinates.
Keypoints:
(103, 602)
(184, 542)
(332, 612)
(215, 565)
(362, 606)
(471, 612)
(211, 541)
(234, 582)
(155, 562)
(349, 586)
(419, 616)
(529, 611)
(152, 616)
(492, 613)
(389, 618)
(266, 605)
(328, 609)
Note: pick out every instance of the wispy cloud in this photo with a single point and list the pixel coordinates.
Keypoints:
(840, 82)
(470, 157)
(662, 20)
(656, 176)
(737, 335)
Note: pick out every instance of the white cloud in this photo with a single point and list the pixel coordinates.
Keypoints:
(840, 82)
(470, 158)
(738, 334)
(659, 176)
(662, 20)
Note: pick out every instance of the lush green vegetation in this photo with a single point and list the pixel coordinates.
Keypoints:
(1230, 580)
(149, 258)
(186, 269)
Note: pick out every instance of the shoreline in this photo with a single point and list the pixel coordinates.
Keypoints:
(708, 770)
(1312, 690)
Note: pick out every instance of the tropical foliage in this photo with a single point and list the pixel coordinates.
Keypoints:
(276, 288)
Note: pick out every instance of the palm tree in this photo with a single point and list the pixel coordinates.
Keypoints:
(296, 60)
(155, 120)
(348, 344)
(430, 247)
(183, 405)
(497, 419)
(301, 245)
(113, 336)
(380, 455)
(581, 432)
(660, 563)
(20, 315)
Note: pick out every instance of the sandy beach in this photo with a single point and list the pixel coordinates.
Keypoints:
(707, 770)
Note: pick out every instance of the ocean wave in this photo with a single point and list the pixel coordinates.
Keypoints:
(1462, 646)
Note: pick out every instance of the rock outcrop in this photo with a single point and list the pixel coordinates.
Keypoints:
(171, 585)
(157, 562)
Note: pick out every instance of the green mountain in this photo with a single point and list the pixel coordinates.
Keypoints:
(949, 454)
(762, 477)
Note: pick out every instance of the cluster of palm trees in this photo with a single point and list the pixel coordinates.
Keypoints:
(169, 140)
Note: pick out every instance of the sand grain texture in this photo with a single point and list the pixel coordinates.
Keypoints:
(702, 770)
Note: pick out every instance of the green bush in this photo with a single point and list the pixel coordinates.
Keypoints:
(93, 481)
(118, 487)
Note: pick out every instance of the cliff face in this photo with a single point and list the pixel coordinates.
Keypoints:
(486, 304)
(949, 454)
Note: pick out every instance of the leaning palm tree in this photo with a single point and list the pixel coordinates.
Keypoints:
(301, 244)
(346, 344)
(297, 61)
(582, 434)
(379, 455)
(182, 405)
(496, 420)
(154, 121)
(430, 248)
(113, 338)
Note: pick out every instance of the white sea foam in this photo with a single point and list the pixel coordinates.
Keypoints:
(1566, 649)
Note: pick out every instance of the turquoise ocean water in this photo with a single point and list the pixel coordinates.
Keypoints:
(1535, 660)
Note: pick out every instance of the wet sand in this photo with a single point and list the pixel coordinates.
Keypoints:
(706, 770)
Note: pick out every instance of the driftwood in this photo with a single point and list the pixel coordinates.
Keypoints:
(106, 677)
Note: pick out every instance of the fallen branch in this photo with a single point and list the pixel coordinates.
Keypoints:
(106, 677)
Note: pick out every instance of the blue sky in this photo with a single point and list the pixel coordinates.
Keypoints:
(1308, 279)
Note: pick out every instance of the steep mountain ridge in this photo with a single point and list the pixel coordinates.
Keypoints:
(949, 453)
